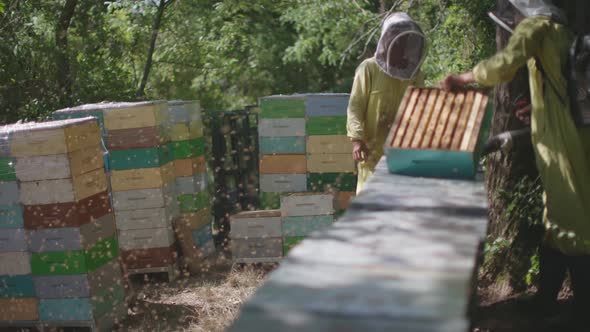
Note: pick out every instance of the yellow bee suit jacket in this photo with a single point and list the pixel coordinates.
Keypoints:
(562, 150)
(374, 101)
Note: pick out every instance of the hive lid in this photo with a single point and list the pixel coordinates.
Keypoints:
(49, 125)
(104, 106)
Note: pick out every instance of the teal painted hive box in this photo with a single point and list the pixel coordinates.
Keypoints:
(439, 134)
(20, 286)
(11, 216)
(139, 158)
(282, 145)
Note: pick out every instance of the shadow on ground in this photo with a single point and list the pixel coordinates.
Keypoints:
(512, 315)
(206, 302)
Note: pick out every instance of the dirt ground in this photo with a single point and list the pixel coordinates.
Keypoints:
(208, 302)
(500, 312)
(211, 302)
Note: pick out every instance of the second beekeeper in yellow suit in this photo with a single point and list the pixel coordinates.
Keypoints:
(541, 41)
(379, 86)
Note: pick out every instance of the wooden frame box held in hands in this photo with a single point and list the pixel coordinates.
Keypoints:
(438, 133)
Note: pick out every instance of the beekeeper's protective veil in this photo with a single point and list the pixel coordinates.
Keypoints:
(402, 47)
(546, 8)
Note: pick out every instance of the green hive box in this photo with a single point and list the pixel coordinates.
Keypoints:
(278, 107)
(187, 149)
(189, 203)
(7, 172)
(139, 158)
(319, 182)
(76, 261)
(441, 155)
(326, 125)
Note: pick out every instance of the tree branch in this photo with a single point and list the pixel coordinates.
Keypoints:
(155, 30)
(64, 80)
(371, 32)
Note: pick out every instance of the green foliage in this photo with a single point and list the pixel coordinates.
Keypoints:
(459, 35)
(227, 53)
(514, 256)
(532, 276)
(495, 247)
(525, 202)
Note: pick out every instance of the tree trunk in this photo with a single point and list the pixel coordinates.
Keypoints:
(504, 171)
(155, 30)
(64, 79)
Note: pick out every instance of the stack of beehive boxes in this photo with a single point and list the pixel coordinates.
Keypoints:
(304, 213)
(187, 145)
(329, 151)
(256, 236)
(282, 138)
(70, 227)
(17, 291)
(313, 125)
(142, 180)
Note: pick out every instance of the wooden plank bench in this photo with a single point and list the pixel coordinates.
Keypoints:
(402, 258)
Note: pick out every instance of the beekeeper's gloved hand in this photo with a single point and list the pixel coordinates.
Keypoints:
(504, 141)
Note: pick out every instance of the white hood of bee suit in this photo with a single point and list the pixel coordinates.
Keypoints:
(401, 36)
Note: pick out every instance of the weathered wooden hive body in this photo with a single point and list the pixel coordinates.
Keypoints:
(438, 133)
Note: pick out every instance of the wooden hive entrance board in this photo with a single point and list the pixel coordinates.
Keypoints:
(433, 119)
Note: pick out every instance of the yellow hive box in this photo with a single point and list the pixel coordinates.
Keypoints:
(142, 178)
(135, 115)
(54, 137)
(330, 163)
(19, 309)
(328, 144)
(283, 164)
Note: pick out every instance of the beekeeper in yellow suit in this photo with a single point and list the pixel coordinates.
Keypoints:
(379, 85)
(541, 41)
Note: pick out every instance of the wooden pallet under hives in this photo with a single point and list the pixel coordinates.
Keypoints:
(430, 118)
